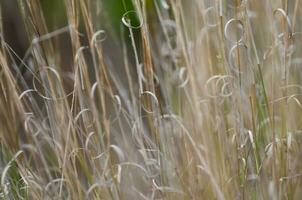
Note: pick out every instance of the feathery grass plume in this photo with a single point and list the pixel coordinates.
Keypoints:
(150, 99)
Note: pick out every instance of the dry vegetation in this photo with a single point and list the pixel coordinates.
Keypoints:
(188, 99)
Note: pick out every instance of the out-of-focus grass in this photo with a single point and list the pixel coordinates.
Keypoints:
(150, 99)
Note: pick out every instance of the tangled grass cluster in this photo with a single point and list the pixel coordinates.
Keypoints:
(171, 99)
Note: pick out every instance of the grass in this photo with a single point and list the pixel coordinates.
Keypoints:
(161, 100)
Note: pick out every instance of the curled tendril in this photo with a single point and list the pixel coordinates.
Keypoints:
(206, 14)
(91, 188)
(81, 113)
(153, 96)
(183, 76)
(98, 37)
(79, 67)
(138, 166)
(227, 29)
(119, 152)
(296, 100)
(279, 43)
(88, 140)
(127, 22)
(118, 101)
(59, 181)
(25, 93)
(93, 88)
(224, 90)
(79, 52)
(97, 185)
(52, 98)
(283, 13)
(115, 99)
(230, 57)
(225, 80)
(30, 124)
(6, 169)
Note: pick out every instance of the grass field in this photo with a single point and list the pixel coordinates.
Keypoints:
(151, 99)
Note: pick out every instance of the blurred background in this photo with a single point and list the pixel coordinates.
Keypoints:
(107, 16)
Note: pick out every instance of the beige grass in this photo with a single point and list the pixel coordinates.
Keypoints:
(190, 99)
